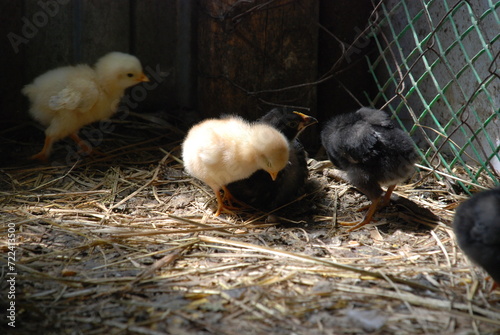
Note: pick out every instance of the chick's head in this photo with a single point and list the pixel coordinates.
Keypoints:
(120, 69)
(272, 149)
(289, 122)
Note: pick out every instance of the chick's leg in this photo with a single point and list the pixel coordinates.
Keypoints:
(385, 200)
(81, 143)
(368, 217)
(84, 146)
(377, 204)
(47, 148)
(230, 199)
(387, 196)
(220, 204)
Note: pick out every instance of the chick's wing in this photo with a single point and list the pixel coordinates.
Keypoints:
(210, 154)
(79, 95)
(359, 142)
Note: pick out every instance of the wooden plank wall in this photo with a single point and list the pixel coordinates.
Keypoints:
(61, 32)
(223, 56)
(11, 63)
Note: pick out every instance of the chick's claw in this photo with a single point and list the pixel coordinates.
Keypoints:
(368, 217)
(41, 157)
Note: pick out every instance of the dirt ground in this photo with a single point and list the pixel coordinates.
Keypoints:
(126, 243)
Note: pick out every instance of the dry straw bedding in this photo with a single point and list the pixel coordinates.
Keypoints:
(126, 243)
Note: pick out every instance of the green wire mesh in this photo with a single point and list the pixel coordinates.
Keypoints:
(438, 71)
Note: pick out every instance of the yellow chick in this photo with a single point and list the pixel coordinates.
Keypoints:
(221, 151)
(68, 98)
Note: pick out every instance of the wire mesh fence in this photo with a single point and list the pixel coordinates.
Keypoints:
(437, 70)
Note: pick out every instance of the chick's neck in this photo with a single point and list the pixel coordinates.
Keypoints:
(110, 87)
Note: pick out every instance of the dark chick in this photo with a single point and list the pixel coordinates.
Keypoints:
(477, 228)
(372, 152)
(259, 190)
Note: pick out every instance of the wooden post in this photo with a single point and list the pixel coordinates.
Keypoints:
(249, 53)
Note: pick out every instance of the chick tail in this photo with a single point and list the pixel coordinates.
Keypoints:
(28, 90)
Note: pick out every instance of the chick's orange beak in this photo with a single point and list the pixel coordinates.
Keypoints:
(273, 175)
(306, 120)
(142, 78)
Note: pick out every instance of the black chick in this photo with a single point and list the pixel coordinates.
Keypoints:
(259, 190)
(372, 152)
(477, 229)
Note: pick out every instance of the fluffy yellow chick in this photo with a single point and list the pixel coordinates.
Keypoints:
(221, 151)
(68, 98)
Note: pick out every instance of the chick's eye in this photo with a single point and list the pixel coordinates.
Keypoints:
(130, 75)
(293, 124)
